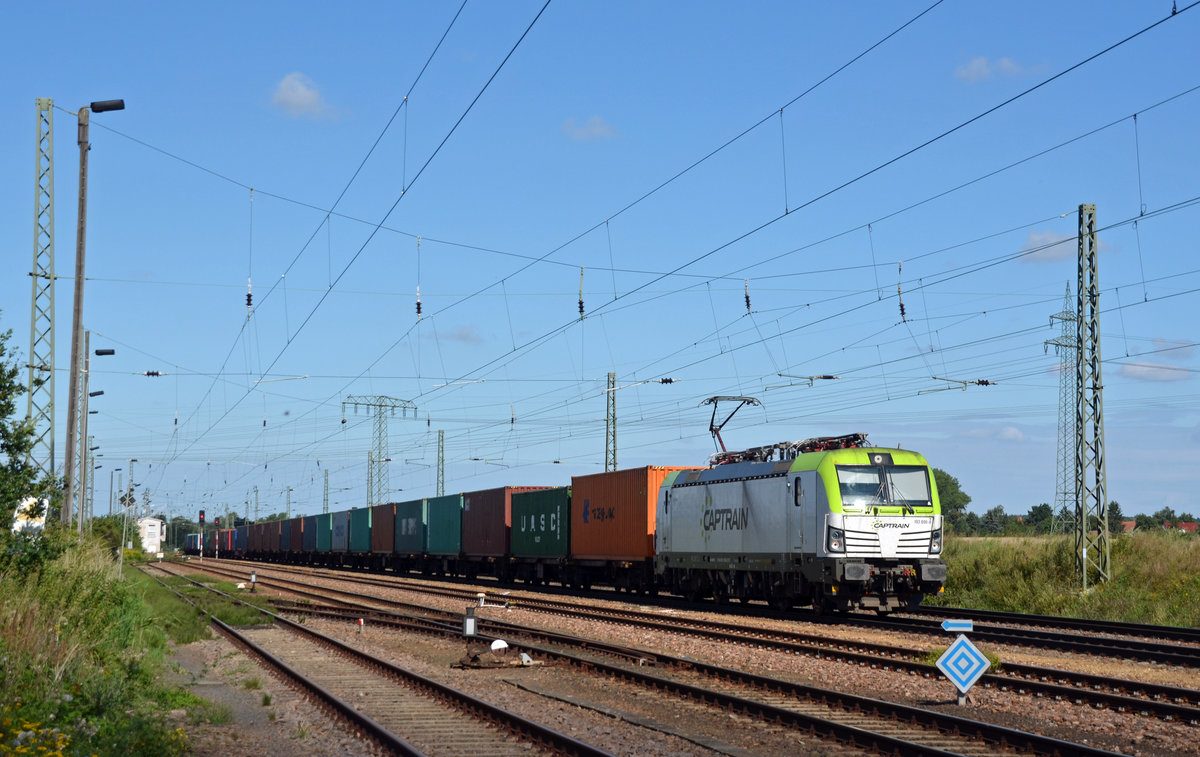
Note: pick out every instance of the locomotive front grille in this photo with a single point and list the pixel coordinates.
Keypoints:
(906, 544)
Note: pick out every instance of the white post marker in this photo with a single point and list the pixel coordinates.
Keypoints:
(963, 664)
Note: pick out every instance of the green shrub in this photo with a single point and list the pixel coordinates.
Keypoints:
(79, 655)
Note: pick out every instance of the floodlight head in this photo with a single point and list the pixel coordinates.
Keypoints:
(100, 106)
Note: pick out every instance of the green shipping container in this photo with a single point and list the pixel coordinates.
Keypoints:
(444, 524)
(541, 523)
(324, 532)
(410, 527)
(360, 531)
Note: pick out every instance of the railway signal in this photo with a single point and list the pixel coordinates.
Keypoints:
(962, 663)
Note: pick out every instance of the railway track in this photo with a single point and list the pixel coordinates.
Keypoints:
(1172, 633)
(384, 701)
(772, 700)
(1120, 695)
(1138, 642)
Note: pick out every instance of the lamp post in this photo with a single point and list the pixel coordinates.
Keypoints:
(125, 521)
(110, 489)
(77, 314)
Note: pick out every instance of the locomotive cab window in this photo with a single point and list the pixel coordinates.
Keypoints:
(867, 486)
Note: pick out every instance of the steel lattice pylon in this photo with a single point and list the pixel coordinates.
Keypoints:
(441, 463)
(377, 458)
(1066, 499)
(40, 385)
(1091, 549)
(610, 425)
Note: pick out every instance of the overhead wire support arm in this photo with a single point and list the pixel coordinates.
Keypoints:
(963, 384)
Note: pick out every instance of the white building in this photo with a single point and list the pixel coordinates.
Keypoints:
(154, 534)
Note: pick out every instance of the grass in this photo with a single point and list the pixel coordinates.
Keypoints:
(199, 710)
(79, 656)
(1154, 578)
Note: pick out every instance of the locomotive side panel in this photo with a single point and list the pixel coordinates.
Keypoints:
(737, 523)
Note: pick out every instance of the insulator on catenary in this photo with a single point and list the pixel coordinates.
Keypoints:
(747, 295)
(581, 293)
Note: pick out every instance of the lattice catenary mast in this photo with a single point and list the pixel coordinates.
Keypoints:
(1066, 345)
(40, 385)
(610, 425)
(1091, 549)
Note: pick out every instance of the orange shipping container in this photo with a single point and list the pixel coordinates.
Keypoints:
(612, 514)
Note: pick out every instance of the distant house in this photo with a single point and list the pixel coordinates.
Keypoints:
(1128, 525)
(154, 534)
(1187, 526)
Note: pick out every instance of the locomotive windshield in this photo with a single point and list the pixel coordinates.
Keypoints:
(864, 486)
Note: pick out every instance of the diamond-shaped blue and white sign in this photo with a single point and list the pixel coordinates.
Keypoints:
(963, 664)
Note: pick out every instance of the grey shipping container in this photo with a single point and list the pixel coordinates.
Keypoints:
(360, 530)
(444, 525)
(310, 533)
(541, 522)
(410, 527)
(340, 541)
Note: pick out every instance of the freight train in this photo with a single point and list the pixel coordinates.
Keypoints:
(828, 522)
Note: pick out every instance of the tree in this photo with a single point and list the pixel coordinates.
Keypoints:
(1116, 519)
(994, 520)
(1164, 516)
(1146, 523)
(954, 500)
(1040, 518)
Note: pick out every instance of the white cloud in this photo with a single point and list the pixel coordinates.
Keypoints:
(1153, 372)
(1180, 347)
(1003, 434)
(1044, 246)
(595, 129)
(1011, 434)
(299, 96)
(981, 67)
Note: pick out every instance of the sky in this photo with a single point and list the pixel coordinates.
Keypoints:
(742, 196)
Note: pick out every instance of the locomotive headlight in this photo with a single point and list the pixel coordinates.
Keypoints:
(836, 541)
(935, 542)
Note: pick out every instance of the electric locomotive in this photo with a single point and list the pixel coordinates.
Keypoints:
(828, 521)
